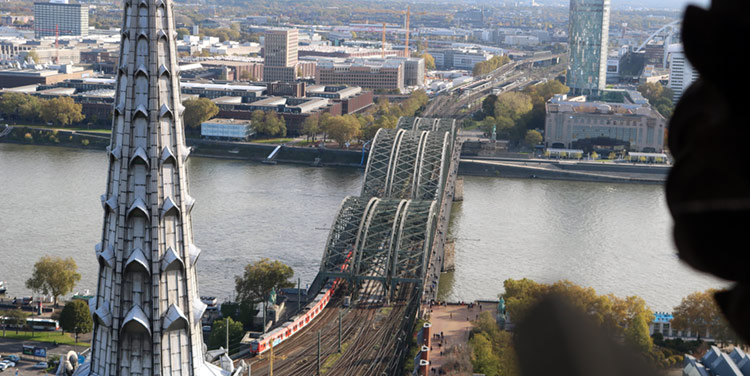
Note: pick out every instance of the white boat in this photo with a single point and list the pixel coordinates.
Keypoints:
(210, 301)
(2, 287)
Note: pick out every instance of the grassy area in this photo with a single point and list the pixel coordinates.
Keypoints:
(105, 131)
(331, 360)
(59, 337)
(274, 141)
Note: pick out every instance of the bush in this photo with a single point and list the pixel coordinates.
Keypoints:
(28, 137)
(85, 142)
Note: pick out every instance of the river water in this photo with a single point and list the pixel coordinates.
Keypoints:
(613, 237)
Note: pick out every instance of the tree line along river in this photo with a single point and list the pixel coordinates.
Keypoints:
(613, 237)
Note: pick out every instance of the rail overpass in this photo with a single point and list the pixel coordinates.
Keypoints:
(386, 244)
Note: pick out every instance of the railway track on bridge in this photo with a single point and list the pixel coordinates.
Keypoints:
(379, 247)
(369, 341)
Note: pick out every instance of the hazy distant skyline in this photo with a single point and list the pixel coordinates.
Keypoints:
(615, 4)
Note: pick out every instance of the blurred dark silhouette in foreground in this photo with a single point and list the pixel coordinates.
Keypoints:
(557, 339)
(708, 194)
(708, 191)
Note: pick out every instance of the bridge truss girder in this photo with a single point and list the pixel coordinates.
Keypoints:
(409, 164)
(411, 123)
(385, 240)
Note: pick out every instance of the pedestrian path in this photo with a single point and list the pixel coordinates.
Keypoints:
(451, 325)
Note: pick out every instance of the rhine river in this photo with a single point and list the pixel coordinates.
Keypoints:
(612, 237)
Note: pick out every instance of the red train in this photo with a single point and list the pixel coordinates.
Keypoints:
(302, 319)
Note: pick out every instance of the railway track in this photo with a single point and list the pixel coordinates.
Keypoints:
(368, 336)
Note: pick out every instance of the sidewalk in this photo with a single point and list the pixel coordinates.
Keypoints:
(453, 324)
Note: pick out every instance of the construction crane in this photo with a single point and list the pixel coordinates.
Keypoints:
(57, 41)
(406, 46)
(382, 44)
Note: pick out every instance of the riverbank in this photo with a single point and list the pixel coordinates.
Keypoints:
(564, 170)
(212, 149)
(258, 152)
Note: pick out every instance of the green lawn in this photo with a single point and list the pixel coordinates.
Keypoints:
(274, 141)
(331, 360)
(106, 131)
(58, 337)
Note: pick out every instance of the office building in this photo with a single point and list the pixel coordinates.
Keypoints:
(459, 58)
(587, 40)
(60, 18)
(370, 74)
(280, 55)
(576, 124)
(681, 73)
(14, 77)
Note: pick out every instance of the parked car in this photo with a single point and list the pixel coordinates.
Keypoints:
(8, 363)
(3, 366)
(40, 365)
(13, 358)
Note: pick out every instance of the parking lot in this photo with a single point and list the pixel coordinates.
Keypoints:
(26, 365)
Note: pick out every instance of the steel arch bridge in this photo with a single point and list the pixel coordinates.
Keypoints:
(410, 161)
(667, 32)
(385, 240)
(386, 234)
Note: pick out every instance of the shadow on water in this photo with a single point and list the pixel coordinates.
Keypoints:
(445, 285)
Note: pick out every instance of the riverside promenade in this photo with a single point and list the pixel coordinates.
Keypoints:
(453, 322)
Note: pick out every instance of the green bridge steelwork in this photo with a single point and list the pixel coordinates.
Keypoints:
(387, 233)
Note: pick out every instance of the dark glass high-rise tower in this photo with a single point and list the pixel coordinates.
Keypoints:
(588, 36)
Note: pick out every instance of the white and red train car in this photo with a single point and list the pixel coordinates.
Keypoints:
(301, 320)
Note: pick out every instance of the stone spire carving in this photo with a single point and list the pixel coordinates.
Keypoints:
(147, 311)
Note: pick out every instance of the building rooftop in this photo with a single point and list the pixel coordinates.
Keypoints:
(227, 121)
(209, 86)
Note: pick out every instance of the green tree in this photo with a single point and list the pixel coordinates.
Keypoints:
(272, 125)
(33, 55)
(12, 103)
(594, 155)
(490, 65)
(16, 318)
(181, 32)
(429, 61)
(31, 109)
(368, 126)
(246, 76)
(618, 317)
(533, 138)
(199, 110)
(242, 312)
(637, 334)
(218, 336)
(61, 111)
(659, 97)
(256, 119)
(483, 359)
(54, 275)
(488, 105)
(512, 104)
(260, 278)
(343, 128)
(699, 314)
(311, 126)
(540, 94)
(75, 318)
(503, 354)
